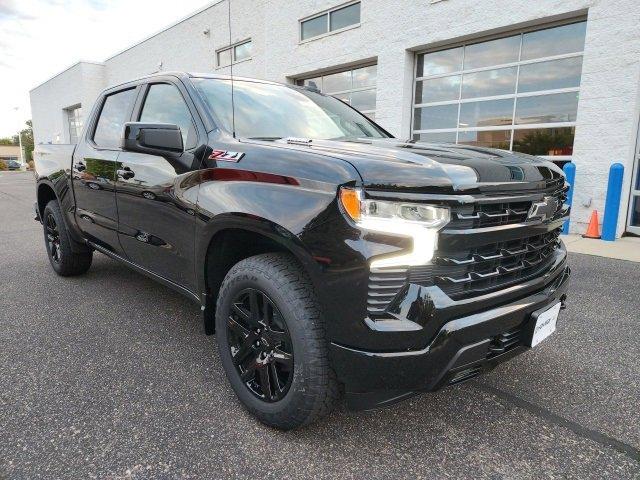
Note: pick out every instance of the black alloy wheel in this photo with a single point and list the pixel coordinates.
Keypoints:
(266, 312)
(260, 345)
(67, 257)
(53, 238)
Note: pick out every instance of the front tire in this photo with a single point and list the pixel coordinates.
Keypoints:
(65, 261)
(272, 344)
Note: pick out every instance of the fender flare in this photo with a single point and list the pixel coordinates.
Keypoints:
(248, 223)
(78, 243)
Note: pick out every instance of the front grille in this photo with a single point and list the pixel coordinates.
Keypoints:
(498, 212)
(464, 271)
(487, 268)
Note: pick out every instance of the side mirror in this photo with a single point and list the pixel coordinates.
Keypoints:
(152, 138)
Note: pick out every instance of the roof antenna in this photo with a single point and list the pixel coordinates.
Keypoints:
(231, 55)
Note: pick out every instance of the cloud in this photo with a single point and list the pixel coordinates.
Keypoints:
(39, 38)
(10, 9)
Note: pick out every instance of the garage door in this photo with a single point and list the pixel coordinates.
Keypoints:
(517, 92)
(357, 87)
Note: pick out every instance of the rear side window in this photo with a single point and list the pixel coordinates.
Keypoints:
(164, 104)
(115, 112)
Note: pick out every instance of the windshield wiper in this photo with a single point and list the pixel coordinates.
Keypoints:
(266, 139)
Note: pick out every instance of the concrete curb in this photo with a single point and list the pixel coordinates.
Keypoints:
(626, 248)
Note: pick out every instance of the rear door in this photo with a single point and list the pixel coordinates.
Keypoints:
(157, 194)
(94, 169)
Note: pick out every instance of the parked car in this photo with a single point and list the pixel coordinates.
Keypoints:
(13, 164)
(328, 257)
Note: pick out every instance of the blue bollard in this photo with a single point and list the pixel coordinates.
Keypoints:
(612, 204)
(570, 172)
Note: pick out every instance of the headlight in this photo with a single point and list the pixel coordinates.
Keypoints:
(419, 221)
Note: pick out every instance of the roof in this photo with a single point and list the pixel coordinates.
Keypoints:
(9, 151)
(79, 62)
(183, 75)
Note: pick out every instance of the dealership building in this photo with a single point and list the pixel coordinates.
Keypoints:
(556, 79)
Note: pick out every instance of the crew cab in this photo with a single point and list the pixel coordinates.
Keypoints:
(329, 258)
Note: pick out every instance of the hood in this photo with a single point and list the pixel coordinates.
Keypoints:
(392, 164)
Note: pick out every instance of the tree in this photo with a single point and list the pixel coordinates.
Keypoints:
(27, 141)
(9, 141)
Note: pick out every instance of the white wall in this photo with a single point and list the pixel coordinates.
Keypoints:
(79, 84)
(390, 31)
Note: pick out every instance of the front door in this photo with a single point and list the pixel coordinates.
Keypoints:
(157, 194)
(634, 204)
(94, 171)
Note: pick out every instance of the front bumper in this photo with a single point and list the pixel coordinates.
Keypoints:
(460, 349)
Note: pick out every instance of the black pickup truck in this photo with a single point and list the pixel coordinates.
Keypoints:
(329, 258)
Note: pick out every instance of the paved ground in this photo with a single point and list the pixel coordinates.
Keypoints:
(625, 248)
(108, 376)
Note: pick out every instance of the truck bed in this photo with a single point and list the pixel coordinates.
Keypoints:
(52, 160)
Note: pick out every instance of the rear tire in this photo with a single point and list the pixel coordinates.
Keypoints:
(65, 261)
(258, 352)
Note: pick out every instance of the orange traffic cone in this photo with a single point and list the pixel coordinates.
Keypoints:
(593, 230)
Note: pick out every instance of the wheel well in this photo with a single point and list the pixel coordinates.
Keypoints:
(227, 248)
(45, 195)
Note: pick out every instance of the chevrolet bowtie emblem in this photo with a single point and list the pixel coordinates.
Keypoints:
(543, 210)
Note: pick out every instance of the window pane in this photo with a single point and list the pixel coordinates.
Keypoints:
(364, 100)
(485, 114)
(492, 139)
(224, 58)
(313, 83)
(272, 110)
(442, 116)
(75, 124)
(440, 62)
(554, 41)
(494, 52)
(561, 107)
(635, 216)
(115, 112)
(438, 89)
(544, 141)
(345, 16)
(364, 77)
(436, 137)
(243, 51)
(345, 97)
(314, 27)
(501, 81)
(549, 75)
(164, 104)
(337, 82)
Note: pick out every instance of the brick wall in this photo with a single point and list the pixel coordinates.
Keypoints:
(390, 31)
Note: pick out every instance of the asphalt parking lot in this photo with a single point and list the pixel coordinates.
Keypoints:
(109, 375)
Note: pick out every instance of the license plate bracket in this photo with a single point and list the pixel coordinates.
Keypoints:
(544, 323)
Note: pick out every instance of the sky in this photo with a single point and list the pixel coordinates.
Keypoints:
(40, 38)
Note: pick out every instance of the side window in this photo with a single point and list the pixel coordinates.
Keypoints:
(164, 104)
(114, 114)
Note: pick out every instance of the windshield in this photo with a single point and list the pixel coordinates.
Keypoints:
(270, 111)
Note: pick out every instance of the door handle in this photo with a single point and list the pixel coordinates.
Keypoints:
(125, 173)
